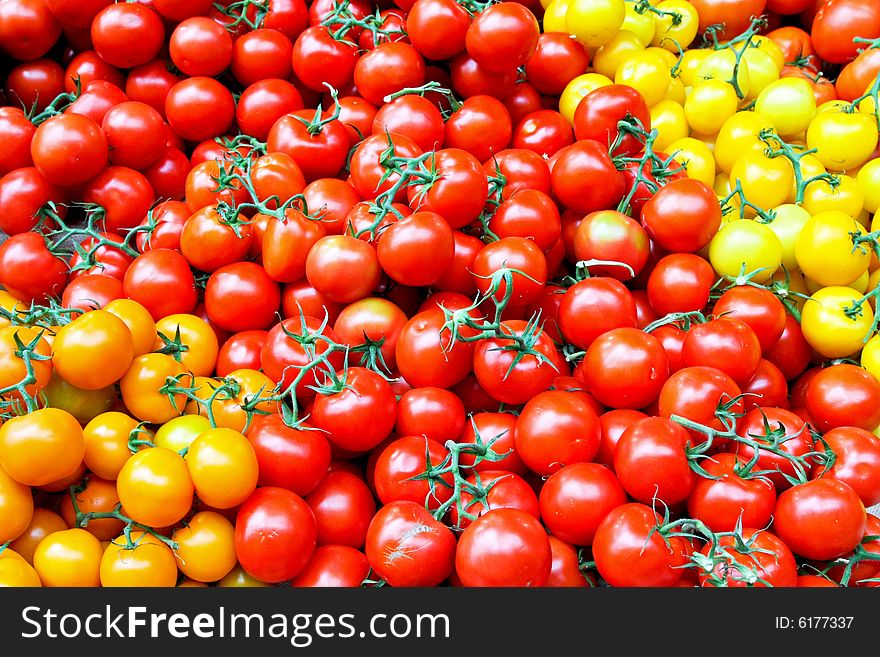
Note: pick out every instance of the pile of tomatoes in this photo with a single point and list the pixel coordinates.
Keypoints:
(439, 292)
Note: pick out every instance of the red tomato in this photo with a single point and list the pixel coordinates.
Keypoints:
(241, 297)
(682, 216)
(333, 566)
(844, 395)
(732, 496)
(757, 558)
(343, 506)
(821, 519)
(359, 416)
(275, 534)
(438, 28)
(69, 149)
(557, 60)
(680, 282)
(431, 412)
(556, 429)
(575, 499)
(695, 393)
(585, 179)
(425, 357)
(594, 306)
(628, 550)
(406, 546)
(598, 113)
(503, 36)
(162, 282)
(505, 547)
(402, 460)
(727, 344)
(857, 462)
(128, 34)
(838, 22)
(625, 368)
(503, 490)
(773, 427)
(199, 108)
(295, 459)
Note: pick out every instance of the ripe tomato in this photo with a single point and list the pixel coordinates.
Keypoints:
(41, 447)
(408, 457)
(732, 497)
(334, 565)
(149, 563)
(343, 506)
(844, 395)
(206, 547)
(275, 534)
(155, 487)
(630, 552)
(683, 216)
(599, 112)
(575, 500)
(593, 306)
(505, 547)
(726, 344)
(758, 558)
(625, 368)
(16, 507)
(555, 429)
(359, 416)
(71, 557)
(651, 461)
(821, 519)
(857, 457)
(406, 546)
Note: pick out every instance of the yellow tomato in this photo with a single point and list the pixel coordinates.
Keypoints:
(825, 251)
(690, 64)
(207, 550)
(765, 180)
(93, 351)
(768, 45)
(870, 359)
(676, 91)
(788, 222)
(722, 65)
(868, 179)
(709, 105)
(738, 135)
(789, 104)
(223, 467)
(677, 29)
(9, 304)
(810, 168)
(17, 572)
(69, 558)
(155, 487)
(41, 447)
(84, 405)
(190, 340)
(640, 24)
(594, 22)
(149, 563)
(721, 186)
(792, 286)
(577, 89)
(843, 140)
(16, 508)
(846, 196)
(239, 579)
(667, 117)
(745, 246)
(106, 443)
(695, 157)
(12, 368)
(141, 384)
(179, 432)
(647, 73)
(609, 57)
(43, 523)
(139, 322)
(762, 71)
(827, 326)
(554, 16)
